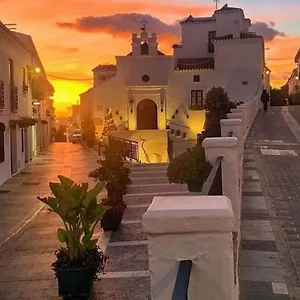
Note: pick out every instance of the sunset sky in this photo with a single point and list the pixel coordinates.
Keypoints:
(74, 36)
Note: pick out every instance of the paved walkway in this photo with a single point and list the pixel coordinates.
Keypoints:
(26, 257)
(270, 246)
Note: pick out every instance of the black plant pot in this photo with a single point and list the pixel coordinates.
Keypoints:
(113, 217)
(75, 282)
(195, 185)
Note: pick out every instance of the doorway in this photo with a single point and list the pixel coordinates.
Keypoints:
(146, 115)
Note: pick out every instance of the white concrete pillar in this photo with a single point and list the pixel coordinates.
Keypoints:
(231, 183)
(197, 228)
(236, 127)
(238, 115)
(244, 108)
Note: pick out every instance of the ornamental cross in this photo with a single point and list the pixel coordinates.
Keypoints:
(144, 22)
(217, 1)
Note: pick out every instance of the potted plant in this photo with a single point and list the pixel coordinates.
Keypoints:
(116, 177)
(80, 261)
(25, 121)
(191, 168)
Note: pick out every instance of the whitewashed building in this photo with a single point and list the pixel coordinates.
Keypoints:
(150, 92)
(20, 69)
(294, 81)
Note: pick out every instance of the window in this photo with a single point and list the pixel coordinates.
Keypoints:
(211, 36)
(196, 78)
(22, 138)
(24, 76)
(1, 95)
(2, 153)
(196, 99)
(12, 88)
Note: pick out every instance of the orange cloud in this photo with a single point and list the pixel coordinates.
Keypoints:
(39, 9)
(280, 58)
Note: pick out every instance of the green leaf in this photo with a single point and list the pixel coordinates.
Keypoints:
(93, 193)
(62, 235)
(87, 237)
(55, 188)
(91, 244)
(65, 181)
(85, 186)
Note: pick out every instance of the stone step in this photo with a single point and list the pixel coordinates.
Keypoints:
(148, 174)
(154, 188)
(146, 198)
(156, 178)
(152, 169)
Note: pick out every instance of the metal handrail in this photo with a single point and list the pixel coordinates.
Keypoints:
(213, 183)
(131, 147)
(172, 123)
(181, 287)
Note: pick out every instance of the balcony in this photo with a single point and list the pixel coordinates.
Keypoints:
(14, 99)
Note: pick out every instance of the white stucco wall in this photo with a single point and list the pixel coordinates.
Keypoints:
(195, 40)
(237, 62)
(10, 48)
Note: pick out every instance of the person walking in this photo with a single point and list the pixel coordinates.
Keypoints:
(265, 98)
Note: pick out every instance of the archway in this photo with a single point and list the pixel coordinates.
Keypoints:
(146, 115)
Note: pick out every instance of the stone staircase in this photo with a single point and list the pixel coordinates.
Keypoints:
(127, 273)
(149, 180)
(181, 145)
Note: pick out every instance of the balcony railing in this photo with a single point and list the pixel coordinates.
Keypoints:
(14, 99)
(181, 287)
(131, 148)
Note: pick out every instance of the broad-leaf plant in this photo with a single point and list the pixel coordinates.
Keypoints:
(78, 209)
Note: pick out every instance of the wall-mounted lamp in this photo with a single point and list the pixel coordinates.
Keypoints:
(161, 104)
(37, 70)
(131, 101)
(267, 72)
(36, 103)
(297, 77)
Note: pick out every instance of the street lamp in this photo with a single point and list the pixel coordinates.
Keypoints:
(37, 70)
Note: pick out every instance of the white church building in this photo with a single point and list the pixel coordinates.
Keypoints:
(151, 94)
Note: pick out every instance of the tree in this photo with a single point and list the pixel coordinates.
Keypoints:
(278, 97)
(88, 128)
(109, 124)
(217, 106)
(60, 134)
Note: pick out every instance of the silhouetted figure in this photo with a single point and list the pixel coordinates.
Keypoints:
(265, 98)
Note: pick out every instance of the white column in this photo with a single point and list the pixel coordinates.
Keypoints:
(197, 228)
(236, 127)
(228, 148)
(243, 108)
(238, 115)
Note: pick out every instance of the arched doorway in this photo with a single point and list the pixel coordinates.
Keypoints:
(146, 115)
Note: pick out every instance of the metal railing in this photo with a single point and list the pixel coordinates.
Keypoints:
(181, 287)
(213, 184)
(131, 148)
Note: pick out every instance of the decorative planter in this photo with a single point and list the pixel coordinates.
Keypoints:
(75, 282)
(112, 218)
(195, 185)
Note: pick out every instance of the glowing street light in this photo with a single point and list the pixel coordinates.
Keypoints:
(37, 70)
(297, 77)
(267, 72)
